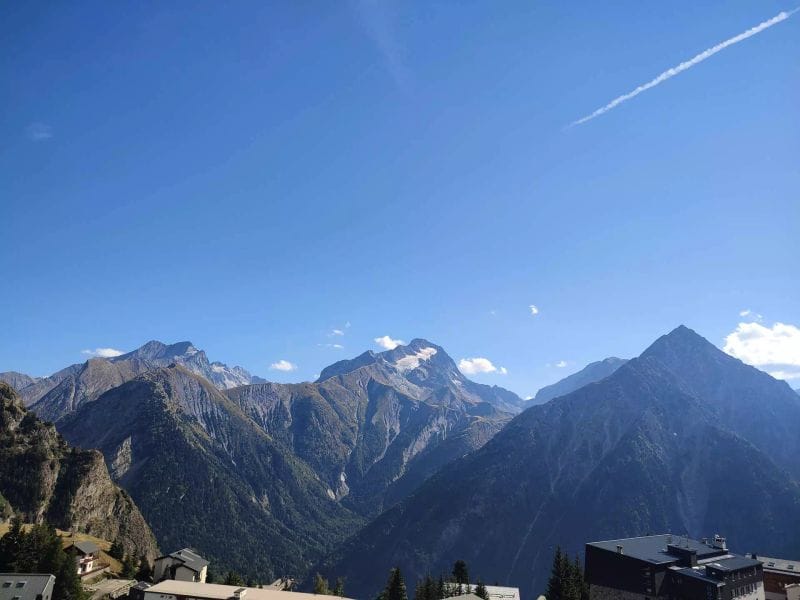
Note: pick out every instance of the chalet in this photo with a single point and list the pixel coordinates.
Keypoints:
(183, 565)
(663, 567)
(26, 586)
(86, 556)
(184, 590)
(781, 577)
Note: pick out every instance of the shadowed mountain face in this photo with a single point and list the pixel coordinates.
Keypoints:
(43, 479)
(206, 476)
(660, 445)
(589, 374)
(373, 428)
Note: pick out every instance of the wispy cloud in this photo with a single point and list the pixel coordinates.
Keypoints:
(39, 132)
(473, 366)
(388, 343)
(774, 349)
(561, 364)
(534, 309)
(686, 65)
(337, 332)
(283, 365)
(749, 313)
(103, 352)
(378, 22)
(334, 346)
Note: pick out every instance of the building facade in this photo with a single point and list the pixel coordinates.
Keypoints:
(183, 565)
(667, 567)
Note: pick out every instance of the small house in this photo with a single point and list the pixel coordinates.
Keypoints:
(183, 565)
(86, 556)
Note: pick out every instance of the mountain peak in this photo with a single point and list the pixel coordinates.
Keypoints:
(680, 340)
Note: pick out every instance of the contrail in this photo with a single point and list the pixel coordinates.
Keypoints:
(684, 66)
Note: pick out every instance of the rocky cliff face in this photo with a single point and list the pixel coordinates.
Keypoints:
(659, 445)
(43, 479)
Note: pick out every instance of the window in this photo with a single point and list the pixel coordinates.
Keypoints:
(6, 584)
(21, 584)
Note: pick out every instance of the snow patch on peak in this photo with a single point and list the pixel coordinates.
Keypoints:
(412, 361)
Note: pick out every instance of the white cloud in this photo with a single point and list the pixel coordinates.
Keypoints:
(39, 132)
(473, 366)
(775, 349)
(561, 364)
(334, 346)
(534, 309)
(686, 65)
(388, 343)
(103, 352)
(337, 332)
(749, 313)
(283, 365)
(528, 397)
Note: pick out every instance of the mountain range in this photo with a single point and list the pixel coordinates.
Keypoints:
(396, 458)
(301, 465)
(683, 438)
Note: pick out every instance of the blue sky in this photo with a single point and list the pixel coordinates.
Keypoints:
(251, 176)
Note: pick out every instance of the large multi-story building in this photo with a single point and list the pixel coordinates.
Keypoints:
(670, 568)
(781, 577)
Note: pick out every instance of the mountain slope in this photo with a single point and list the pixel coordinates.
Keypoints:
(639, 451)
(43, 479)
(206, 476)
(589, 374)
(18, 380)
(375, 427)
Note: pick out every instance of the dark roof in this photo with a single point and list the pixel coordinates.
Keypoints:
(696, 574)
(733, 563)
(26, 586)
(189, 558)
(142, 585)
(85, 547)
(653, 548)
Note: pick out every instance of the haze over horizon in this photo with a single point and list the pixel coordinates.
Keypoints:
(288, 186)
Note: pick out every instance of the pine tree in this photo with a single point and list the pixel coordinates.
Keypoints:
(128, 567)
(68, 584)
(558, 576)
(441, 590)
(481, 591)
(581, 587)
(460, 572)
(116, 551)
(339, 589)
(321, 585)
(145, 571)
(395, 586)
